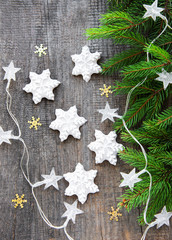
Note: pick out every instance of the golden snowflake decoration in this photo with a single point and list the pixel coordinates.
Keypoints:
(114, 214)
(105, 90)
(34, 123)
(19, 201)
(40, 50)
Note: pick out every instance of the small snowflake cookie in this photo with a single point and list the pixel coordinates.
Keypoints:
(41, 86)
(68, 123)
(86, 63)
(81, 183)
(105, 147)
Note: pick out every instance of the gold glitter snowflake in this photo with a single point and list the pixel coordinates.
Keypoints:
(114, 214)
(34, 123)
(105, 90)
(19, 201)
(40, 50)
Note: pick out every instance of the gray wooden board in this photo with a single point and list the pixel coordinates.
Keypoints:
(59, 25)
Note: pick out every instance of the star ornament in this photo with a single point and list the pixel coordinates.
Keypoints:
(71, 211)
(105, 147)
(153, 10)
(163, 217)
(86, 63)
(41, 86)
(130, 179)
(108, 113)
(5, 136)
(81, 183)
(10, 72)
(51, 180)
(165, 77)
(68, 123)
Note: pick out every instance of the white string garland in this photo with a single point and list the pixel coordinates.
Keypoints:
(142, 148)
(26, 175)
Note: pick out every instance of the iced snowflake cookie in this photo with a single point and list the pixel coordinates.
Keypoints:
(68, 123)
(41, 86)
(86, 63)
(81, 183)
(105, 147)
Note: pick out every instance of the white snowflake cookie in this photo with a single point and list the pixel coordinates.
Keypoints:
(105, 147)
(86, 63)
(41, 86)
(81, 183)
(68, 123)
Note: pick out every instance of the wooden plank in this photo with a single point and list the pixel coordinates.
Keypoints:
(59, 25)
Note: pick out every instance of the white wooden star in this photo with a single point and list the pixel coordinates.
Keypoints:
(81, 183)
(68, 123)
(49, 180)
(165, 77)
(130, 179)
(41, 86)
(86, 63)
(163, 217)
(105, 147)
(5, 136)
(108, 113)
(10, 72)
(153, 10)
(71, 211)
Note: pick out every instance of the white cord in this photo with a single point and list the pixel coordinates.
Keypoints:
(69, 237)
(8, 103)
(144, 170)
(142, 148)
(146, 230)
(26, 175)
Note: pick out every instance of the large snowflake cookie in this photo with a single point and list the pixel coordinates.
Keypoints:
(86, 63)
(41, 86)
(81, 183)
(68, 123)
(105, 147)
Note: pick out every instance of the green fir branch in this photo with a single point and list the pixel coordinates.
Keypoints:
(122, 59)
(153, 136)
(158, 53)
(150, 123)
(161, 189)
(143, 107)
(144, 69)
(165, 118)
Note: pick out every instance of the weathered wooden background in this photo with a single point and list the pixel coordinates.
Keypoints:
(59, 25)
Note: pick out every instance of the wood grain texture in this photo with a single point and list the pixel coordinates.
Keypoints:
(59, 25)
